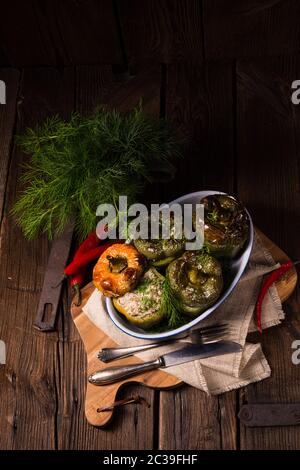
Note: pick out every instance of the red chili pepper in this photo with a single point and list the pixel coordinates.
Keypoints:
(92, 241)
(91, 248)
(84, 259)
(273, 277)
(77, 280)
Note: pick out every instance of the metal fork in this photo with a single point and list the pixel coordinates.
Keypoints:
(207, 334)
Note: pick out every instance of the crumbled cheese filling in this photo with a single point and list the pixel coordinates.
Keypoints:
(145, 300)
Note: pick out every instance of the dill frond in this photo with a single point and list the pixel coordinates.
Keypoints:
(171, 307)
(78, 164)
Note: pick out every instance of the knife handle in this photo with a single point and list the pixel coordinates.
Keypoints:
(110, 375)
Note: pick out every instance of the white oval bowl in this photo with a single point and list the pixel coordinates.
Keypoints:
(237, 268)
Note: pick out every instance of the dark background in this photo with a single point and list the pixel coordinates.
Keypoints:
(221, 71)
(68, 32)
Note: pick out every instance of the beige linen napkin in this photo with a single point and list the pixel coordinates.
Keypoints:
(223, 373)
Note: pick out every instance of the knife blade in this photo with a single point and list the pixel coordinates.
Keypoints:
(51, 291)
(196, 351)
(180, 356)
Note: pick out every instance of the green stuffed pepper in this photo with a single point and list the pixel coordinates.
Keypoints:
(226, 225)
(143, 305)
(160, 252)
(196, 280)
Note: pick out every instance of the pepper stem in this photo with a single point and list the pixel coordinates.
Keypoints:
(78, 295)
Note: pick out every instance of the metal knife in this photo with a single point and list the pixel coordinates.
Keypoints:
(180, 356)
(49, 300)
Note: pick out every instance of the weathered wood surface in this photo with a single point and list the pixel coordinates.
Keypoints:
(268, 127)
(55, 33)
(8, 115)
(62, 33)
(30, 389)
(247, 28)
(168, 31)
(244, 138)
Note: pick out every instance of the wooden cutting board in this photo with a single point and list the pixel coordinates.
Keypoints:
(94, 339)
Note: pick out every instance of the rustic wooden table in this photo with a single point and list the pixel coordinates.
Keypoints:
(244, 139)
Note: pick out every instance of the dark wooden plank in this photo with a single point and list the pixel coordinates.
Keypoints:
(199, 101)
(59, 33)
(144, 85)
(30, 390)
(4, 62)
(96, 85)
(102, 87)
(228, 420)
(268, 127)
(189, 420)
(24, 42)
(244, 28)
(7, 121)
(168, 31)
(87, 31)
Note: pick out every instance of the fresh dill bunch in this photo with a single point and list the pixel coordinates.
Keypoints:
(171, 306)
(78, 164)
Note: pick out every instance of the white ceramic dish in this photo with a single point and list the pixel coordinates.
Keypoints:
(236, 269)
